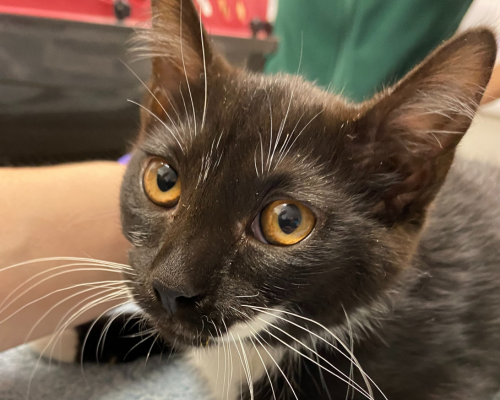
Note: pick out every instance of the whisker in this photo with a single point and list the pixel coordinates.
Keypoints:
(129, 319)
(139, 343)
(172, 106)
(225, 356)
(320, 371)
(280, 131)
(287, 140)
(159, 120)
(255, 162)
(253, 295)
(92, 326)
(218, 349)
(63, 320)
(250, 386)
(48, 259)
(261, 154)
(274, 361)
(348, 382)
(270, 132)
(185, 109)
(102, 338)
(205, 72)
(100, 268)
(342, 376)
(93, 285)
(230, 358)
(264, 365)
(365, 376)
(298, 135)
(151, 348)
(158, 101)
(58, 327)
(142, 333)
(282, 127)
(184, 67)
(56, 336)
(351, 369)
(245, 371)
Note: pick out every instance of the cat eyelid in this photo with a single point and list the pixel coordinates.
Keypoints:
(275, 195)
(169, 158)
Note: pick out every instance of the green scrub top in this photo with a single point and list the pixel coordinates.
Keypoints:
(356, 47)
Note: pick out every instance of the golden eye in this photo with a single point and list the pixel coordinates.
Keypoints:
(286, 222)
(161, 183)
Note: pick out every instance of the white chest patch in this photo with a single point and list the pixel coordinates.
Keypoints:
(238, 360)
(231, 367)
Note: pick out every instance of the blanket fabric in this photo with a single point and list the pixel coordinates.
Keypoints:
(156, 380)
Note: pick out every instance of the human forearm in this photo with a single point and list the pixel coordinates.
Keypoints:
(69, 210)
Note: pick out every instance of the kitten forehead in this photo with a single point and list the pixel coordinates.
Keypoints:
(266, 124)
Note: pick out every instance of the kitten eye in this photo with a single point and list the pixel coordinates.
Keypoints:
(161, 183)
(286, 222)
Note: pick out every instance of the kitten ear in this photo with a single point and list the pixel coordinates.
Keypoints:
(406, 141)
(182, 57)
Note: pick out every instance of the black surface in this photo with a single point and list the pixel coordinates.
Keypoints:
(64, 88)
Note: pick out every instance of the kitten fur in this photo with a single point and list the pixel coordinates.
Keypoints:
(401, 270)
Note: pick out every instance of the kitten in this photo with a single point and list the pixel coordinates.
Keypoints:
(292, 245)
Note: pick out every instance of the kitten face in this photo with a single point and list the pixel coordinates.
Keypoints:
(361, 175)
(207, 243)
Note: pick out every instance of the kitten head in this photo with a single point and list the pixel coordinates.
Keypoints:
(248, 194)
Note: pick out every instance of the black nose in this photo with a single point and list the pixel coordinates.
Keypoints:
(171, 299)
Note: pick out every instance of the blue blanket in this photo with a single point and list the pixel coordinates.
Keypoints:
(156, 380)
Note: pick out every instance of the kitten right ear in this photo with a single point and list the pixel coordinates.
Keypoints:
(406, 140)
(183, 57)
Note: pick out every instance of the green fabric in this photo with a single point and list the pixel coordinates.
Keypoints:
(356, 47)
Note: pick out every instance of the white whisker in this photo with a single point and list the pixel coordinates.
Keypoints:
(274, 361)
(270, 132)
(159, 120)
(56, 337)
(48, 259)
(365, 376)
(151, 348)
(264, 365)
(205, 72)
(158, 101)
(97, 268)
(184, 67)
(93, 285)
(245, 371)
(298, 135)
(343, 377)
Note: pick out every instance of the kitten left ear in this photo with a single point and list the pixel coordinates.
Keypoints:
(182, 57)
(406, 141)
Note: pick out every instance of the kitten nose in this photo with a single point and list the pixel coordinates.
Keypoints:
(171, 299)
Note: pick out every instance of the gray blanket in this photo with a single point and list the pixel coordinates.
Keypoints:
(138, 381)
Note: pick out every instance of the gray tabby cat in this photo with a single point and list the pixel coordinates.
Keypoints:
(292, 245)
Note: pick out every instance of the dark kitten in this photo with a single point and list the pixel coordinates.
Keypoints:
(276, 227)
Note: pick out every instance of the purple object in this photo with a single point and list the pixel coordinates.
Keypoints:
(125, 159)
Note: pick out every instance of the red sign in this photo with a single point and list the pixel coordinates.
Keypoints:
(231, 16)
(223, 17)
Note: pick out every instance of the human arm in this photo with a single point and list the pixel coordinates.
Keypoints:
(68, 210)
